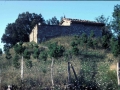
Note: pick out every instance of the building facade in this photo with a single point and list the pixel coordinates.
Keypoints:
(66, 27)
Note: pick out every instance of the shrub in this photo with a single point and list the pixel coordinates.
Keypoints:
(28, 63)
(1, 51)
(43, 56)
(36, 52)
(26, 54)
(16, 63)
(56, 50)
(75, 50)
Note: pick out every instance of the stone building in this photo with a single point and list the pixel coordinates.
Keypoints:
(66, 27)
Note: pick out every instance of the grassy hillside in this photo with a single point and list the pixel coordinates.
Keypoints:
(95, 68)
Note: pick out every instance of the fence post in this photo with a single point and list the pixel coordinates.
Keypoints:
(52, 73)
(22, 73)
(78, 85)
(118, 72)
(69, 75)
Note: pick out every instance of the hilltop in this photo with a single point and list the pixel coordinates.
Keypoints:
(95, 67)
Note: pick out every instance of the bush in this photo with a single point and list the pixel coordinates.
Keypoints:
(90, 43)
(56, 50)
(73, 44)
(28, 63)
(16, 63)
(75, 50)
(115, 48)
(95, 44)
(1, 51)
(43, 56)
(26, 54)
(36, 52)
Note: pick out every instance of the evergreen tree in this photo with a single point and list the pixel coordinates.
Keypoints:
(116, 19)
(52, 21)
(36, 52)
(95, 44)
(19, 49)
(90, 43)
(75, 50)
(105, 42)
(116, 48)
(84, 40)
(56, 50)
(106, 29)
(92, 35)
(26, 54)
(77, 39)
(73, 44)
(43, 56)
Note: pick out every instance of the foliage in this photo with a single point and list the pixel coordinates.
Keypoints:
(84, 38)
(8, 55)
(90, 43)
(105, 41)
(73, 44)
(19, 49)
(52, 21)
(95, 44)
(102, 19)
(75, 50)
(92, 35)
(115, 48)
(28, 63)
(107, 28)
(43, 55)
(26, 54)
(56, 50)
(16, 63)
(6, 47)
(21, 28)
(36, 52)
(116, 19)
(1, 51)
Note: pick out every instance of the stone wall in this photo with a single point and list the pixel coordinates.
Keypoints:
(50, 31)
(33, 34)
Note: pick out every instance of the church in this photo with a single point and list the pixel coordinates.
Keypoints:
(66, 27)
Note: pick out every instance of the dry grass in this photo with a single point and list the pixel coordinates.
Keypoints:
(40, 73)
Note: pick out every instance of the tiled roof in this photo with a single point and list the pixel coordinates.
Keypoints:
(83, 21)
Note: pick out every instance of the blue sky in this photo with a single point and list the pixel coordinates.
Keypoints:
(86, 10)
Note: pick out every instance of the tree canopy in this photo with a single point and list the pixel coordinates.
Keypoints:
(52, 21)
(56, 50)
(21, 28)
(116, 19)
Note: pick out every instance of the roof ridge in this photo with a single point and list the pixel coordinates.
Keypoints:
(80, 20)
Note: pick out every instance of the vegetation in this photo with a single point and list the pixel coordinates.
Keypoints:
(96, 62)
(1, 51)
(16, 63)
(94, 59)
(21, 28)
